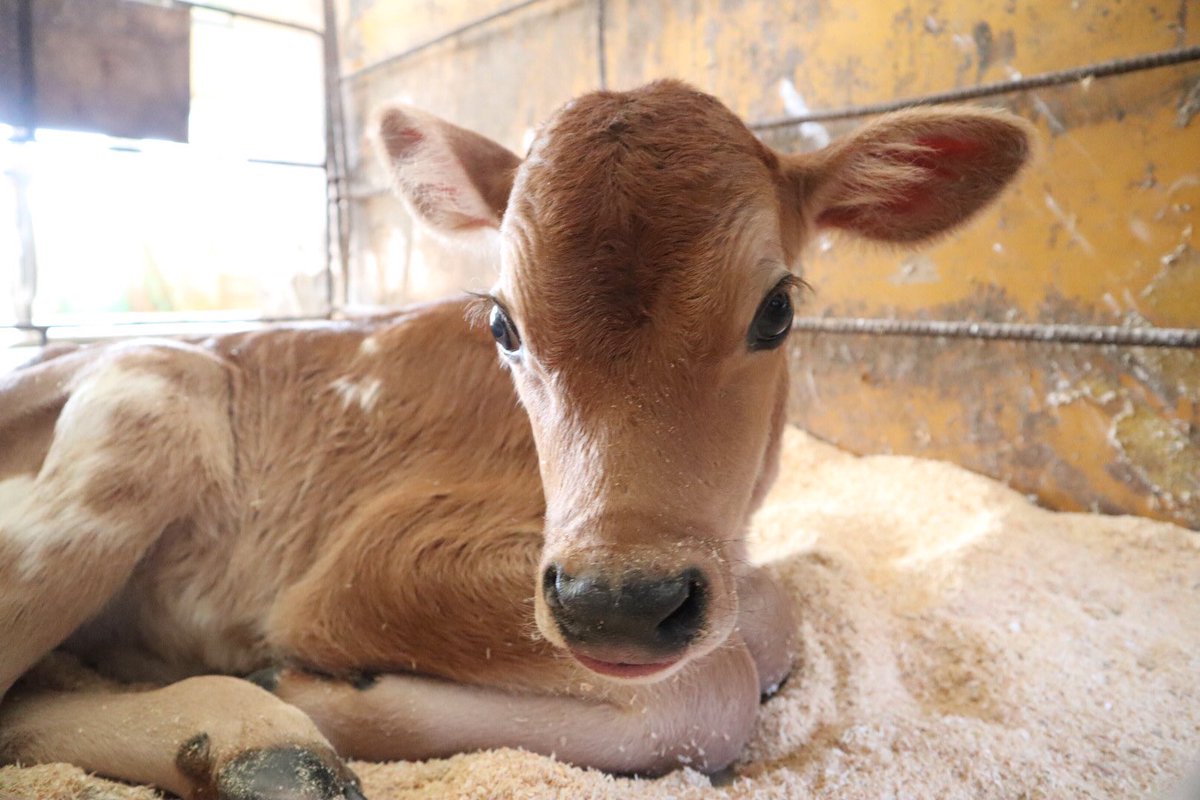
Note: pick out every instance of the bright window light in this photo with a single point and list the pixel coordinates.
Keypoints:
(10, 247)
(173, 229)
(208, 231)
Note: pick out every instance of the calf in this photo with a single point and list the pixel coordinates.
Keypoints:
(515, 520)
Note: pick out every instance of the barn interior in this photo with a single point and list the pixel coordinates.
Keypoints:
(989, 503)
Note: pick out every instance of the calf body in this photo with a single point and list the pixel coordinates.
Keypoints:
(428, 548)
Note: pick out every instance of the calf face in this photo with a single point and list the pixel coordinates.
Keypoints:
(649, 250)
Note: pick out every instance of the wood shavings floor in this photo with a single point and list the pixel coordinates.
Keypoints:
(957, 642)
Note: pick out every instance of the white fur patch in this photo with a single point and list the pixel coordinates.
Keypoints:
(14, 498)
(36, 513)
(363, 392)
(369, 346)
(87, 416)
(82, 433)
(31, 523)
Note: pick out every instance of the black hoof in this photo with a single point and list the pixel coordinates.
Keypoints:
(364, 680)
(266, 678)
(771, 691)
(723, 777)
(284, 773)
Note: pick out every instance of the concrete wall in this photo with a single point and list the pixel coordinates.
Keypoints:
(1101, 230)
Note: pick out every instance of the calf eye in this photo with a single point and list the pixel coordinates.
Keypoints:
(772, 321)
(503, 330)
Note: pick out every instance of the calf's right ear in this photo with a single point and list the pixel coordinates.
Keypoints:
(453, 180)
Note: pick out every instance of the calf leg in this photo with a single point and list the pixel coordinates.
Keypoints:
(204, 738)
(143, 434)
(451, 597)
(701, 717)
(766, 624)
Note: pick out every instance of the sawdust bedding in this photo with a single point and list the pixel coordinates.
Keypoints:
(957, 642)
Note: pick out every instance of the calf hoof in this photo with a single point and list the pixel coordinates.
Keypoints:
(265, 678)
(285, 773)
(268, 678)
(773, 689)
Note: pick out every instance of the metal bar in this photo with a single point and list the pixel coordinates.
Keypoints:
(25, 326)
(1064, 333)
(1049, 333)
(176, 327)
(40, 330)
(189, 321)
(27, 98)
(331, 174)
(601, 56)
(271, 162)
(343, 215)
(334, 168)
(27, 280)
(282, 23)
(26, 129)
(450, 34)
(1102, 69)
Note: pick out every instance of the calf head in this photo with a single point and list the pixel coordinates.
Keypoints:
(649, 252)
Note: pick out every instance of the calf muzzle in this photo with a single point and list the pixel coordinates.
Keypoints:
(631, 619)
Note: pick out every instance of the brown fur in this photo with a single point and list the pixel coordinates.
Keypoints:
(374, 496)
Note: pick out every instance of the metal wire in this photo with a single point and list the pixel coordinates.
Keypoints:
(1102, 69)
(450, 34)
(1059, 333)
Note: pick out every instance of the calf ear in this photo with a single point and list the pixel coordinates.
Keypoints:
(912, 175)
(452, 179)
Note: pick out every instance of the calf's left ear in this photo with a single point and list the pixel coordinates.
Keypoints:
(452, 179)
(911, 175)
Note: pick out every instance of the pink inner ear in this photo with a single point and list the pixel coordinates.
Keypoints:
(944, 145)
(401, 141)
(841, 217)
(942, 160)
(943, 157)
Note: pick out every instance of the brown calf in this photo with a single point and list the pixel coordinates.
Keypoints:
(558, 566)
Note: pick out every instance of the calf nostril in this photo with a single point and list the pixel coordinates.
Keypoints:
(550, 580)
(655, 614)
(684, 621)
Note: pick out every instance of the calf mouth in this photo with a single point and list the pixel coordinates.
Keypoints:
(626, 670)
(628, 662)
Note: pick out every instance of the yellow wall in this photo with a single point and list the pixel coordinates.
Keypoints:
(1100, 230)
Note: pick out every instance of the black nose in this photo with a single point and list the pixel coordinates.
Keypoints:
(655, 615)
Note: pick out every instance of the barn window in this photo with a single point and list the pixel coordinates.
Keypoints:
(162, 167)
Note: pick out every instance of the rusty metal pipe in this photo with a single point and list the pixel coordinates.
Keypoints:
(1059, 333)
(1103, 69)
